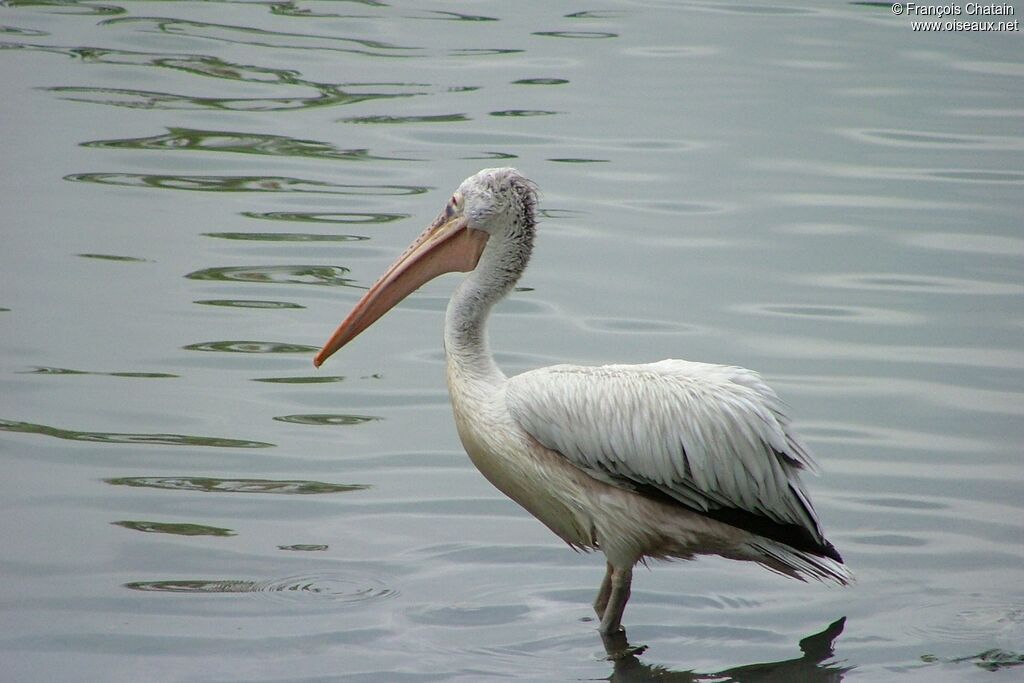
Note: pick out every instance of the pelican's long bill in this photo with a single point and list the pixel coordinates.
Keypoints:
(446, 246)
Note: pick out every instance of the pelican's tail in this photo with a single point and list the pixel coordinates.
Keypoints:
(798, 564)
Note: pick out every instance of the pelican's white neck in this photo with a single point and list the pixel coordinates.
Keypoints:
(465, 328)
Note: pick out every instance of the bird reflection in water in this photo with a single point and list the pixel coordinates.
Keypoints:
(816, 665)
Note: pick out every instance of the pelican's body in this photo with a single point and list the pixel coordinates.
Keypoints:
(665, 460)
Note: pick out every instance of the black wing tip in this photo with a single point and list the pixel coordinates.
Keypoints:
(828, 550)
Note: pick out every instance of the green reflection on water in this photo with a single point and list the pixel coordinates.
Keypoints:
(456, 16)
(283, 237)
(242, 184)
(540, 81)
(176, 529)
(436, 118)
(281, 275)
(68, 6)
(324, 419)
(326, 94)
(114, 257)
(250, 347)
(311, 379)
(523, 112)
(291, 9)
(212, 485)
(129, 438)
(47, 370)
(354, 218)
(247, 303)
(148, 99)
(995, 659)
(585, 35)
(251, 36)
(304, 547)
(240, 143)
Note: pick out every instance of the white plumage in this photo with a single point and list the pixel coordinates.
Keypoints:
(667, 460)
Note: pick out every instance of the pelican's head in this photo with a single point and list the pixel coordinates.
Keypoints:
(489, 221)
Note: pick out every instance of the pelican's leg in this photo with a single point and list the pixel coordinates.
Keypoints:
(621, 578)
(606, 590)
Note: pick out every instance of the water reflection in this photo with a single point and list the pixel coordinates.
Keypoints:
(68, 6)
(354, 218)
(252, 36)
(214, 485)
(148, 99)
(324, 586)
(114, 257)
(241, 184)
(995, 659)
(309, 379)
(432, 118)
(192, 139)
(248, 303)
(278, 275)
(586, 35)
(48, 370)
(284, 237)
(128, 438)
(326, 94)
(250, 347)
(344, 420)
(813, 666)
(174, 528)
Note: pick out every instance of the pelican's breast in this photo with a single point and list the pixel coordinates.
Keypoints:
(537, 479)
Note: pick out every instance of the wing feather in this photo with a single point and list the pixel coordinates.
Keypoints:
(713, 438)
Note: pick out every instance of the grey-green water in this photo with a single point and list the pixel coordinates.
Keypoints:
(192, 194)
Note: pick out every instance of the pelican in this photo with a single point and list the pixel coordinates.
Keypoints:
(664, 460)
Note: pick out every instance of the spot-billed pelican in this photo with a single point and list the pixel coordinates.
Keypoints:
(663, 460)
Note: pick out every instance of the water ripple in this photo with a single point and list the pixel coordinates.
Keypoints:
(959, 242)
(838, 313)
(327, 419)
(250, 36)
(522, 113)
(907, 282)
(131, 98)
(213, 485)
(456, 16)
(636, 326)
(928, 140)
(192, 139)
(332, 276)
(341, 588)
(129, 438)
(432, 118)
(348, 218)
(308, 379)
(174, 528)
(248, 303)
(585, 35)
(49, 370)
(68, 7)
(114, 257)
(844, 170)
(284, 237)
(250, 347)
(540, 81)
(242, 184)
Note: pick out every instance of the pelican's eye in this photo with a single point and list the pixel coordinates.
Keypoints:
(454, 205)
